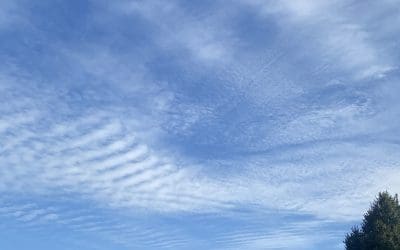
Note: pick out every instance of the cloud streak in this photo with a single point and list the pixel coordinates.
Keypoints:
(151, 117)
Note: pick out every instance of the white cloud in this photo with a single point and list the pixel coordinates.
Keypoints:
(114, 158)
(205, 39)
(94, 156)
(332, 32)
(10, 14)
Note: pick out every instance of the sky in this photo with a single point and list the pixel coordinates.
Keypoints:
(242, 124)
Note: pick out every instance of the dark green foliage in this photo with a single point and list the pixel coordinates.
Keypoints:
(380, 229)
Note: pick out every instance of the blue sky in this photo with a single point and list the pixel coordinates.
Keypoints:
(195, 124)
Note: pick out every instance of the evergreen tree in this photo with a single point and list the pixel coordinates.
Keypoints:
(380, 229)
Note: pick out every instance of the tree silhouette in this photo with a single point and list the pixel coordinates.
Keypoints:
(380, 229)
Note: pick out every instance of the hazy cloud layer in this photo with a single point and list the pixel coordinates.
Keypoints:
(208, 125)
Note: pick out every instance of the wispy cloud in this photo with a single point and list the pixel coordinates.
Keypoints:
(331, 29)
(151, 117)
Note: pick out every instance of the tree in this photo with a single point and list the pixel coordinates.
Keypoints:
(380, 228)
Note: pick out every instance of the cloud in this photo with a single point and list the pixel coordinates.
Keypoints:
(168, 115)
(102, 154)
(330, 28)
(201, 38)
(99, 160)
(10, 14)
(36, 217)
